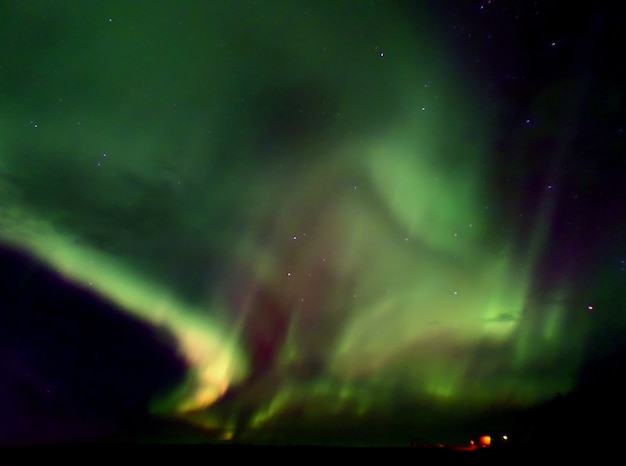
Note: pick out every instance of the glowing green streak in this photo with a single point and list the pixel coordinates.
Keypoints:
(213, 357)
(416, 294)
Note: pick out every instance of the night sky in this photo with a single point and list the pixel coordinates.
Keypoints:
(328, 222)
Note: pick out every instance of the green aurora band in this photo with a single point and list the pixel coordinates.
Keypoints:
(299, 197)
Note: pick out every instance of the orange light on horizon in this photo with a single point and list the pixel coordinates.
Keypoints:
(485, 440)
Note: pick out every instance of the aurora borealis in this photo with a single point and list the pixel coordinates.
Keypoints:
(337, 210)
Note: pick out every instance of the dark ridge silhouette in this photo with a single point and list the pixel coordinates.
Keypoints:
(72, 366)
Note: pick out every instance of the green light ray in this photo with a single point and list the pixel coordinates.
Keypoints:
(209, 348)
(364, 220)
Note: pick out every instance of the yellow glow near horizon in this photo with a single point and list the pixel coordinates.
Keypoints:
(209, 349)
